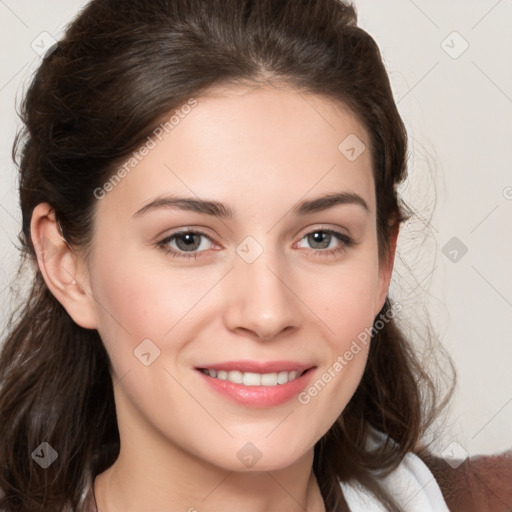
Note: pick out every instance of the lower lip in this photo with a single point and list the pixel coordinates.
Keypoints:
(258, 396)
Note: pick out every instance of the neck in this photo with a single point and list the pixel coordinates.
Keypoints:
(154, 472)
(135, 483)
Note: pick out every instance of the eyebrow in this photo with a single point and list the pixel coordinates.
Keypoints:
(217, 209)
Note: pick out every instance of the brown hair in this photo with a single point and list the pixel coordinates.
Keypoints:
(116, 71)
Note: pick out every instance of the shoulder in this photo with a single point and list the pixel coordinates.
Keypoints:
(477, 484)
(411, 483)
(424, 482)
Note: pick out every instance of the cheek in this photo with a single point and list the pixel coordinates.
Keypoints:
(128, 306)
(127, 300)
(137, 301)
(345, 305)
(344, 299)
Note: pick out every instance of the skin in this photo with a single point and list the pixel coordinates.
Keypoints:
(259, 151)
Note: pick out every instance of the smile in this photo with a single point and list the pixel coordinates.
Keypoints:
(257, 389)
(252, 378)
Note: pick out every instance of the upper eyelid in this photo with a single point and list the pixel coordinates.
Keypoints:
(187, 231)
(323, 227)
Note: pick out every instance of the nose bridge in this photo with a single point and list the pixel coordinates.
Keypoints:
(261, 300)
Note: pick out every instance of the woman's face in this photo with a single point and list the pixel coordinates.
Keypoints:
(271, 284)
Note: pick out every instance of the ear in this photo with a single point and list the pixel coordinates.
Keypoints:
(64, 273)
(386, 268)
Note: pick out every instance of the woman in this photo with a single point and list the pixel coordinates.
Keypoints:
(208, 191)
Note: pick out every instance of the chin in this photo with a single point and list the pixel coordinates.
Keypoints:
(262, 456)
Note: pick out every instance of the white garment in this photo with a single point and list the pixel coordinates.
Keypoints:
(411, 484)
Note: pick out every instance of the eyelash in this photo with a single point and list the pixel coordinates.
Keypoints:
(345, 240)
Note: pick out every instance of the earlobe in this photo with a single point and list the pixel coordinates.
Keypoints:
(386, 268)
(59, 266)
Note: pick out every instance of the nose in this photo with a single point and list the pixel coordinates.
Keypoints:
(261, 299)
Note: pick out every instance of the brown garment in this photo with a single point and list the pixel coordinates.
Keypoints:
(479, 484)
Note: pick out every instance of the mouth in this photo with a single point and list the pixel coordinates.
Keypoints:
(254, 384)
(253, 378)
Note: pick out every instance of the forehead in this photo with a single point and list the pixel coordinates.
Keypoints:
(239, 144)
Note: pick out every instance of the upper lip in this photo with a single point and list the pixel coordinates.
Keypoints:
(257, 366)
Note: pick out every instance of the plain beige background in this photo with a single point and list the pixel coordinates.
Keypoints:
(451, 72)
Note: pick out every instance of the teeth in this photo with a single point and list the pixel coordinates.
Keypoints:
(254, 379)
(249, 379)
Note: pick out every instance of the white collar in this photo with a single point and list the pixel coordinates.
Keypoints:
(411, 484)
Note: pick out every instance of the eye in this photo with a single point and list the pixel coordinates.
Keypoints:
(190, 244)
(327, 241)
(185, 244)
